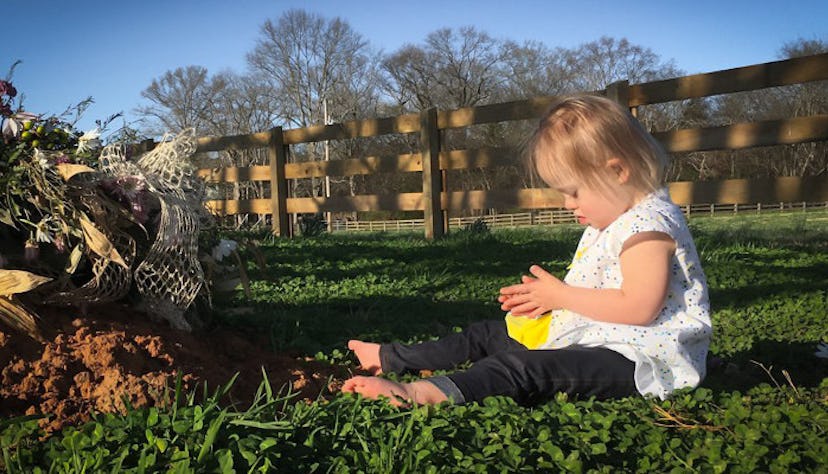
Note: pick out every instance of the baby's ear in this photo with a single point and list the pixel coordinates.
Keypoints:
(620, 169)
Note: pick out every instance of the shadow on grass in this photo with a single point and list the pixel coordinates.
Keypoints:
(305, 330)
(311, 328)
(767, 362)
(342, 256)
(755, 289)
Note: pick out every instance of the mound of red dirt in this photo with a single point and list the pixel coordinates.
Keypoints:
(93, 362)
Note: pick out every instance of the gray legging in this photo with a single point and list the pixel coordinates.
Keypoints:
(503, 366)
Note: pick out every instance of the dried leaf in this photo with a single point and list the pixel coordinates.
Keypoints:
(74, 259)
(19, 281)
(6, 218)
(67, 170)
(19, 318)
(99, 243)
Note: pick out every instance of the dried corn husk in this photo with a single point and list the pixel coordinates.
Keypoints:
(74, 259)
(13, 282)
(17, 317)
(12, 312)
(67, 170)
(99, 243)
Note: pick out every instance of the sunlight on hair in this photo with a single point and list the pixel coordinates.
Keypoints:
(579, 134)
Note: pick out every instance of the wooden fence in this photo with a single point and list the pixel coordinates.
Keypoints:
(564, 216)
(432, 161)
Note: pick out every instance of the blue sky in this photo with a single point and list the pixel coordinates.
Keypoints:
(112, 50)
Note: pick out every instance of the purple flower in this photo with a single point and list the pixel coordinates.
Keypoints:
(6, 88)
(129, 191)
(60, 243)
(139, 210)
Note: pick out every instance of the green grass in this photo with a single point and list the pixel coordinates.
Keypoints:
(763, 407)
(391, 286)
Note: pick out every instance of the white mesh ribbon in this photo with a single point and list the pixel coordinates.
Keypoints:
(170, 276)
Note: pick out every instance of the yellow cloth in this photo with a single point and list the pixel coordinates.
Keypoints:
(531, 332)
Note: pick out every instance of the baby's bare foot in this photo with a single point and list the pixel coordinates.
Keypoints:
(375, 387)
(399, 394)
(368, 355)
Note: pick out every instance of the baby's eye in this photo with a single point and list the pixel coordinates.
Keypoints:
(570, 192)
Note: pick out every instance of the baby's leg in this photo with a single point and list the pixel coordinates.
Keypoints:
(419, 392)
(368, 355)
(477, 341)
(529, 376)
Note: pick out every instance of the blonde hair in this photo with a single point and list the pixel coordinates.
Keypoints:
(577, 136)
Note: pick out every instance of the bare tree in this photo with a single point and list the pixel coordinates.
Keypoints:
(409, 80)
(182, 98)
(606, 60)
(316, 70)
(307, 60)
(244, 106)
(777, 103)
(802, 100)
(452, 69)
(532, 70)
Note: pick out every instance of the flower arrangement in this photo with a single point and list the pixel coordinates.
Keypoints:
(82, 223)
(37, 154)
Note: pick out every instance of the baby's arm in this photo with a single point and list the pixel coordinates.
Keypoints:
(645, 268)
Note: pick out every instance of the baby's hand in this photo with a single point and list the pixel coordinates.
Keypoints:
(534, 296)
(505, 303)
(509, 297)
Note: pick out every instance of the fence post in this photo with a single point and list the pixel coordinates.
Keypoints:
(619, 91)
(277, 155)
(432, 179)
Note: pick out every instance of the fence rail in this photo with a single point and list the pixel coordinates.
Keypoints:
(432, 160)
(562, 216)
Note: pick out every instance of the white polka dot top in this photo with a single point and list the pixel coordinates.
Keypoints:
(670, 352)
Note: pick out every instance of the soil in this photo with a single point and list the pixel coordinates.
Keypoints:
(91, 363)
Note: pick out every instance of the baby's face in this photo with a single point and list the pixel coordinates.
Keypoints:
(599, 205)
(592, 207)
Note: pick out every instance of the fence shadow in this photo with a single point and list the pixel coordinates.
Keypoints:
(767, 362)
(315, 294)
